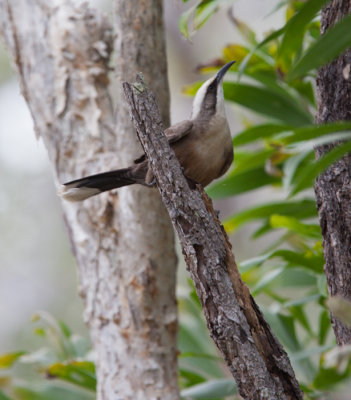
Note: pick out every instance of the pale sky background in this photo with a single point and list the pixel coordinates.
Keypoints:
(37, 271)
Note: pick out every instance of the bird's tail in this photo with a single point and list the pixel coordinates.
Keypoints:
(81, 189)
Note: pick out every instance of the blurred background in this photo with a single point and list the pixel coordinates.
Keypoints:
(37, 270)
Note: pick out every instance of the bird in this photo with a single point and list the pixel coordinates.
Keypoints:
(202, 144)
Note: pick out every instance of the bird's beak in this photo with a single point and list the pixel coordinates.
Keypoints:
(223, 70)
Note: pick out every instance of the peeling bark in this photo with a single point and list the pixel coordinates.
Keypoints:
(333, 187)
(256, 359)
(123, 242)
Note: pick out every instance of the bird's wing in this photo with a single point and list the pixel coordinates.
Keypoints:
(178, 131)
(173, 134)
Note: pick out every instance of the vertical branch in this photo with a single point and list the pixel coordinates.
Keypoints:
(332, 187)
(256, 359)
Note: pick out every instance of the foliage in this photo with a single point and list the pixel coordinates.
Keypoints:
(65, 359)
(274, 80)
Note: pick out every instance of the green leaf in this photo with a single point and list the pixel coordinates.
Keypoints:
(211, 389)
(297, 278)
(305, 208)
(306, 90)
(246, 161)
(191, 354)
(292, 166)
(274, 35)
(65, 329)
(42, 356)
(324, 326)
(8, 359)
(266, 280)
(309, 172)
(80, 345)
(3, 396)
(284, 327)
(307, 353)
(56, 333)
(336, 40)
(235, 52)
(246, 265)
(299, 314)
(316, 131)
(80, 373)
(259, 132)
(204, 11)
(322, 286)
(293, 224)
(268, 102)
(190, 378)
(241, 183)
(302, 301)
(50, 392)
(184, 22)
(187, 339)
(262, 230)
(311, 262)
(267, 76)
(296, 27)
(327, 378)
(190, 342)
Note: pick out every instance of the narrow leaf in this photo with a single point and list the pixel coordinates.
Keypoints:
(316, 131)
(184, 22)
(274, 35)
(259, 132)
(284, 327)
(324, 326)
(204, 11)
(8, 359)
(336, 40)
(311, 171)
(297, 26)
(211, 389)
(42, 391)
(190, 378)
(266, 280)
(300, 209)
(80, 373)
(267, 102)
(3, 396)
(251, 160)
(300, 355)
(293, 224)
(241, 183)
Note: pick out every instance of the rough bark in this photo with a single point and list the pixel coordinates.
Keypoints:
(123, 242)
(333, 187)
(256, 359)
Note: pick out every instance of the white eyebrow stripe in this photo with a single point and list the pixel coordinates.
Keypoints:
(199, 98)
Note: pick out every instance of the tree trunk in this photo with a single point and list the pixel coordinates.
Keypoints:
(332, 187)
(123, 241)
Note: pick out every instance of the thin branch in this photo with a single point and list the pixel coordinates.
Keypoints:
(256, 359)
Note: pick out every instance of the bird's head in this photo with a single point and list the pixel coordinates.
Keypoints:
(209, 100)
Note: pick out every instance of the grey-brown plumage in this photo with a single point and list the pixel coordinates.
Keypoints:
(202, 145)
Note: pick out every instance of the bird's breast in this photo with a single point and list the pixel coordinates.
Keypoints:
(205, 154)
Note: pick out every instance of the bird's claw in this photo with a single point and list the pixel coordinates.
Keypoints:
(150, 184)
